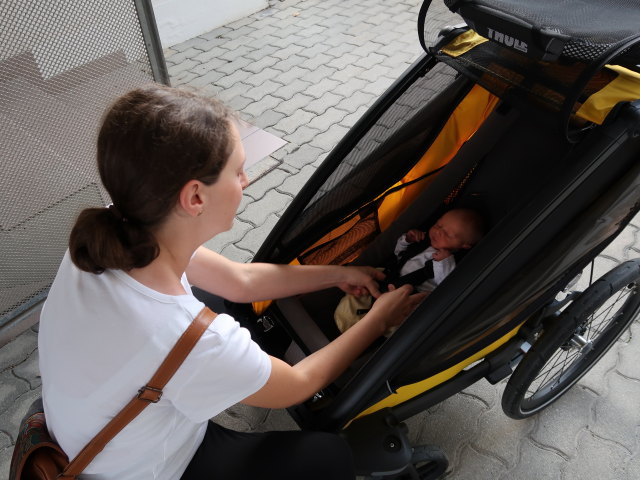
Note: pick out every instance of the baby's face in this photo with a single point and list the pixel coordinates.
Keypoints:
(449, 233)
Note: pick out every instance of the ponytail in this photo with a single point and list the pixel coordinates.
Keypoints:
(100, 240)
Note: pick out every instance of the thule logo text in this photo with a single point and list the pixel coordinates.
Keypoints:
(507, 40)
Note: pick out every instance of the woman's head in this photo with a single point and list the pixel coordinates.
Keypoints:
(152, 142)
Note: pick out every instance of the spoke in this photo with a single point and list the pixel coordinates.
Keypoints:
(603, 326)
(569, 356)
(558, 354)
(603, 313)
(574, 353)
(544, 383)
(613, 304)
(550, 369)
(559, 365)
(604, 322)
(559, 376)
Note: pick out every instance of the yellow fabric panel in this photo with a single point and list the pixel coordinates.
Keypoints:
(624, 88)
(463, 43)
(461, 125)
(409, 391)
(260, 307)
(390, 207)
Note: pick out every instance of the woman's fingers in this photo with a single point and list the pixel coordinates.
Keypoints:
(401, 303)
(372, 283)
(363, 281)
(417, 298)
(372, 287)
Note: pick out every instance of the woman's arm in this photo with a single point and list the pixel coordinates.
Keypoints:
(289, 385)
(251, 282)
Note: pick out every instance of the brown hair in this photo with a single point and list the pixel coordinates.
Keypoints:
(153, 140)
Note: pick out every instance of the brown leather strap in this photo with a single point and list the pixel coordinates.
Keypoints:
(150, 393)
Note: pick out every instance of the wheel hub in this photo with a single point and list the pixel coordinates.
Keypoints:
(581, 343)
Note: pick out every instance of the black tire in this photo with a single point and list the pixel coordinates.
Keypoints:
(573, 342)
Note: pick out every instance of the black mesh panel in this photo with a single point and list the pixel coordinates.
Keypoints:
(381, 158)
(591, 25)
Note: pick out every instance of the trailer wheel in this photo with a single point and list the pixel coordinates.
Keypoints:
(574, 341)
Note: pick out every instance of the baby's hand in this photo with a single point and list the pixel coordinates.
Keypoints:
(415, 235)
(441, 254)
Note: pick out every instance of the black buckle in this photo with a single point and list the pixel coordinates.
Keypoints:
(154, 397)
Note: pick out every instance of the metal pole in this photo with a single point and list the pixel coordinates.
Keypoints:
(152, 41)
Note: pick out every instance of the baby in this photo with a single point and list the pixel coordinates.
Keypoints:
(423, 259)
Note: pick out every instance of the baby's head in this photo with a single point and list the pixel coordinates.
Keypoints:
(458, 229)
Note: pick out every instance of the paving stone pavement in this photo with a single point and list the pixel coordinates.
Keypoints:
(306, 71)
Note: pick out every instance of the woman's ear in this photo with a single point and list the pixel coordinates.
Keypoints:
(190, 200)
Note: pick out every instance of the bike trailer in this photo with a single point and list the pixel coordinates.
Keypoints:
(529, 113)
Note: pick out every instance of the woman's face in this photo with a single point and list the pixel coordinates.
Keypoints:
(226, 193)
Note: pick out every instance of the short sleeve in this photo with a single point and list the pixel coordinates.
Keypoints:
(225, 367)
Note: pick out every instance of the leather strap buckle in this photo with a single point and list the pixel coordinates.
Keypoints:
(150, 394)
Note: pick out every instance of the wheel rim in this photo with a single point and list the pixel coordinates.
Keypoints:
(566, 365)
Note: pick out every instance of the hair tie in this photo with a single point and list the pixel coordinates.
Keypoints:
(116, 213)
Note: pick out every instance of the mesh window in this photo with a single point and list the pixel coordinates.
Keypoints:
(61, 64)
(379, 159)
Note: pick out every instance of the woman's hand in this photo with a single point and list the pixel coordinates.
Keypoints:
(289, 385)
(361, 281)
(394, 306)
(252, 282)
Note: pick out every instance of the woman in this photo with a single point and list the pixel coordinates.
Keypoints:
(173, 165)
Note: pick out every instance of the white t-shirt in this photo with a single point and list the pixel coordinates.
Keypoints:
(102, 337)
(441, 268)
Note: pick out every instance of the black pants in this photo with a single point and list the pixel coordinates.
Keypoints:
(228, 455)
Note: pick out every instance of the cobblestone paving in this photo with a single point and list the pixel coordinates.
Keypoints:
(306, 71)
